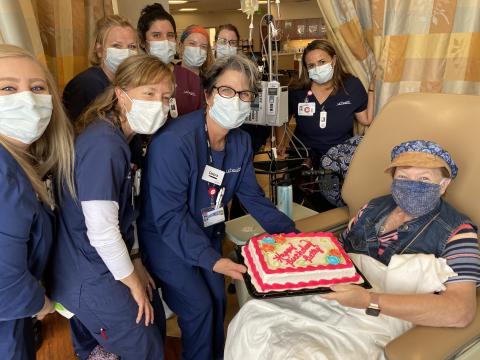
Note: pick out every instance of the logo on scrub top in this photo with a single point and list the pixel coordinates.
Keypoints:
(233, 170)
(191, 93)
(348, 102)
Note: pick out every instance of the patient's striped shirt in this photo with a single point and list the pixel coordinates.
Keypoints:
(461, 252)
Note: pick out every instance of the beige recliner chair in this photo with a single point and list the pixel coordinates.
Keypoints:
(454, 122)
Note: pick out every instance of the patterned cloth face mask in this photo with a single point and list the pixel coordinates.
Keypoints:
(416, 198)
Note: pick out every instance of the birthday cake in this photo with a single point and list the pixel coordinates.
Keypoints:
(297, 261)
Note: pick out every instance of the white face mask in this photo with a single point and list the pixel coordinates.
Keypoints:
(229, 113)
(24, 116)
(321, 74)
(225, 50)
(146, 117)
(164, 50)
(194, 56)
(115, 57)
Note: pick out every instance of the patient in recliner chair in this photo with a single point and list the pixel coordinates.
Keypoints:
(420, 254)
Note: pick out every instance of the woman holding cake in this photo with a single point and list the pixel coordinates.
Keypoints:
(415, 219)
(194, 167)
(420, 254)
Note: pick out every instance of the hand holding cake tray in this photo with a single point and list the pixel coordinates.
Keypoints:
(296, 264)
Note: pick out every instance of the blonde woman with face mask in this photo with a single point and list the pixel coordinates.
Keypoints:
(115, 40)
(100, 276)
(36, 139)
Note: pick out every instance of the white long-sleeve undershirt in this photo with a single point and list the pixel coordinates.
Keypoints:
(101, 219)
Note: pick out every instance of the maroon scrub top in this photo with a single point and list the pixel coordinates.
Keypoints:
(188, 92)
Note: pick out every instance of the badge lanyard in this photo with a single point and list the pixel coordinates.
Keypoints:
(323, 113)
(212, 188)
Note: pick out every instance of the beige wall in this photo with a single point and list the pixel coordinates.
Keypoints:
(131, 8)
(239, 19)
(306, 10)
(215, 19)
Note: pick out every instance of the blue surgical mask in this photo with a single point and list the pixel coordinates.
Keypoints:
(115, 57)
(321, 74)
(225, 50)
(229, 113)
(416, 198)
(164, 50)
(24, 116)
(194, 57)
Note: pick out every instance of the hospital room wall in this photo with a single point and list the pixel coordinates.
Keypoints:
(131, 8)
(237, 18)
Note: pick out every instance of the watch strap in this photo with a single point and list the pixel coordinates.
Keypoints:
(373, 308)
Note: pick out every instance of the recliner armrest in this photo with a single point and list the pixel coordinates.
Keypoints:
(333, 220)
(432, 343)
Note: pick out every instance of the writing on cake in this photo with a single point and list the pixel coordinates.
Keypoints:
(291, 254)
(297, 261)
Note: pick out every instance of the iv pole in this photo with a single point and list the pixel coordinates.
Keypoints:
(269, 37)
(273, 143)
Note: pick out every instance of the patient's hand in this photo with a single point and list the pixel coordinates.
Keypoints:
(349, 295)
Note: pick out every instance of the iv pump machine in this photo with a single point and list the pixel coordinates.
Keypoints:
(270, 108)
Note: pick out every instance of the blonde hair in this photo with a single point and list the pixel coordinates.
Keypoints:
(53, 152)
(136, 70)
(102, 29)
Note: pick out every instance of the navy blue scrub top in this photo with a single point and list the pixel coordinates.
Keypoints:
(83, 89)
(173, 193)
(26, 237)
(340, 107)
(102, 172)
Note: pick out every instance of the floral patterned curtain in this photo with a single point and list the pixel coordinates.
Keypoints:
(408, 45)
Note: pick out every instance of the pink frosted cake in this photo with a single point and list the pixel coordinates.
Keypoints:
(297, 261)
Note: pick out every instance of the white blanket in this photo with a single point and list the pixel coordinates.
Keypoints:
(309, 327)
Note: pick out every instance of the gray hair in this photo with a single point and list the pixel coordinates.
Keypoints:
(238, 63)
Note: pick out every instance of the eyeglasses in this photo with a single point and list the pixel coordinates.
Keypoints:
(228, 92)
(233, 43)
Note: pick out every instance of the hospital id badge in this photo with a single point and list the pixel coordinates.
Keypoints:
(306, 109)
(213, 175)
(137, 179)
(212, 216)
(323, 119)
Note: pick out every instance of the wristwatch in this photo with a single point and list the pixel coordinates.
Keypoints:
(373, 309)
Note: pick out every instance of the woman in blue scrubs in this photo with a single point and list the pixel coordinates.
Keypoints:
(327, 100)
(194, 166)
(97, 275)
(33, 130)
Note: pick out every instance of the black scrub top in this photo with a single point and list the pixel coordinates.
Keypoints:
(83, 89)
